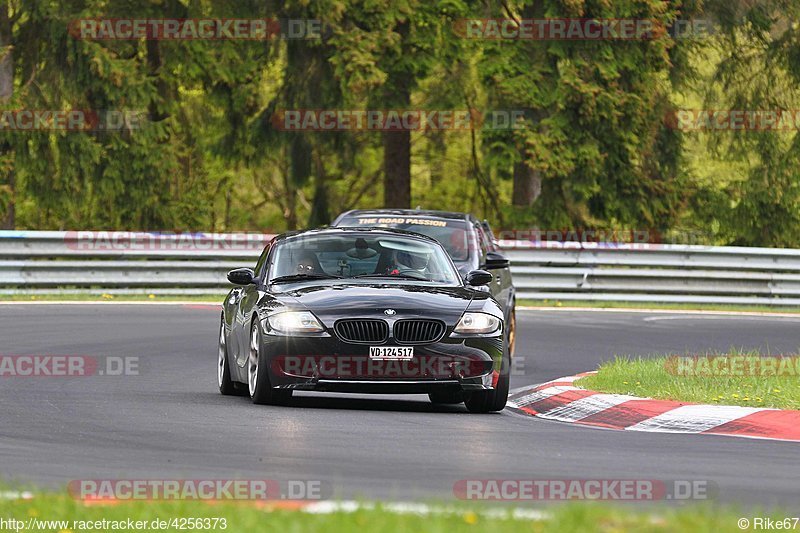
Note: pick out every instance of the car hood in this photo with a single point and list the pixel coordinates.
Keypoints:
(333, 302)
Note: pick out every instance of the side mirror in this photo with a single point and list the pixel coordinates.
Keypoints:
(495, 260)
(476, 278)
(241, 276)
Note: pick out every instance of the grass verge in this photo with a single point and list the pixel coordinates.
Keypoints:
(659, 305)
(592, 516)
(657, 378)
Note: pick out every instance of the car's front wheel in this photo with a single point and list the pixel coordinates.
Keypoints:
(492, 400)
(512, 330)
(258, 383)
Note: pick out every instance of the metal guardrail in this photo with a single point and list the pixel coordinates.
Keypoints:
(157, 263)
(657, 273)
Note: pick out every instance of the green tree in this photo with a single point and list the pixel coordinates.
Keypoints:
(594, 151)
(759, 70)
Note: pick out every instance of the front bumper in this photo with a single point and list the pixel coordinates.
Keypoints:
(327, 364)
(377, 386)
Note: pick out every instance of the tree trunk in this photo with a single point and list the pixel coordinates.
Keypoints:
(528, 182)
(397, 169)
(397, 144)
(290, 200)
(154, 64)
(320, 214)
(527, 185)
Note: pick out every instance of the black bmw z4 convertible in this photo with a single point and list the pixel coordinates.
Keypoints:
(362, 310)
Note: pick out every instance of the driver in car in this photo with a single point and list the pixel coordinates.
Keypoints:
(405, 261)
(305, 265)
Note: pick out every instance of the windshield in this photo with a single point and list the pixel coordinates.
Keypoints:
(451, 233)
(357, 255)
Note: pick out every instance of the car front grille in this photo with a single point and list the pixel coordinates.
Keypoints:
(362, 331)
(418, 331)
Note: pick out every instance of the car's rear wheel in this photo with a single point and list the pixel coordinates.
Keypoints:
(224, 381)
(258, 383)
(446, 397)
(492, 400)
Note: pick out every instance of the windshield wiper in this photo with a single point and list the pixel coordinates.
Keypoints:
(302, 277)
(403, 275)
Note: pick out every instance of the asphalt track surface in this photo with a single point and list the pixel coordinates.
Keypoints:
(169, 422)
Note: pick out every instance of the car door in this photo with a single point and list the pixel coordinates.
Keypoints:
(505, 273)
(246, 300)
(500, 287)
(495, 287)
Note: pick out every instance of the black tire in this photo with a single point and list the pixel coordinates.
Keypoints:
(241, 389)
(261, 392)
(224, 381)
(486, 401)
(446, 397)
(512, 330)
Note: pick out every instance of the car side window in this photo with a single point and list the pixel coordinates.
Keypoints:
(483, 242)
(259, 270)
(491, 243)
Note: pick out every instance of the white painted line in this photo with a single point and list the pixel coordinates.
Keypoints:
(527, 388)
(567, 379)
(15, 495)
(527, 514)
(585, 407)
(693, 418)
(782, 318)
(524, 388)
(328, 507)
(659, 311)
(543, 394)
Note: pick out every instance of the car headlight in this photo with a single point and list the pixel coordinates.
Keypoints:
(294, 323)
(477, 323)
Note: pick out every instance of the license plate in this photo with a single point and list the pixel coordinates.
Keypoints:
(389, 353)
